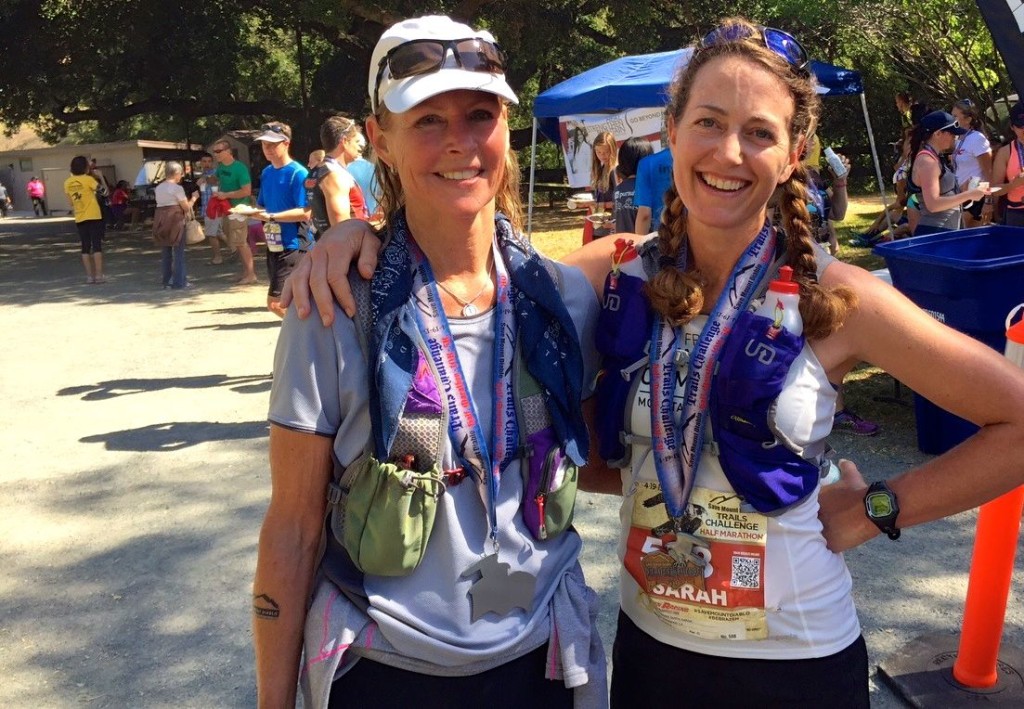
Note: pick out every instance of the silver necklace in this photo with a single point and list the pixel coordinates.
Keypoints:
(468, 309)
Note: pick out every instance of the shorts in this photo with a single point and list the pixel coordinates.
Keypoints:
(926, 229)
(1014, 217)
(975, 209)
(279, 265)
(212, 227)
(517, 683)
(90, 233)
(641, 666)
(234, 230)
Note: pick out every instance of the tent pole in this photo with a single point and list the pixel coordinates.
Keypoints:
(533, 167)
(878, 167)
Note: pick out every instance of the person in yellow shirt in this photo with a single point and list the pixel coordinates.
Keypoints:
(81, 189)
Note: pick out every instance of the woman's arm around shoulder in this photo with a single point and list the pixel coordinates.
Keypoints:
(323, 275)
(950, 369)
(300, 469)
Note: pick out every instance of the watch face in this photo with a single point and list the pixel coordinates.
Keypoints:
(879, 504)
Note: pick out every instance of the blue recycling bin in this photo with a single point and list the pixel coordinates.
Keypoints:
(970, 280)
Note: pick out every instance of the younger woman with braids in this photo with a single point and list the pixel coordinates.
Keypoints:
(733, 589)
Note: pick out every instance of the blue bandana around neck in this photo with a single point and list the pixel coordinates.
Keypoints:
(547, 334)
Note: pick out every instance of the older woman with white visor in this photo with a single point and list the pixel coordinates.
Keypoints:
(439, 430)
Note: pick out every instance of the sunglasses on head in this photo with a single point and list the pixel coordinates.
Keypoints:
(425, 56)
(782, 43)
(273, 128)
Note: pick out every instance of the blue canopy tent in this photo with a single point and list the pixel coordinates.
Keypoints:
(641, 81)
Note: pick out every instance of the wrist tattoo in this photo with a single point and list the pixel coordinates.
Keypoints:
(263, 606)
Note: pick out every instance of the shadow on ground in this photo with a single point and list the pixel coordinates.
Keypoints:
(176, 435)
(166, 577)
(249, 384)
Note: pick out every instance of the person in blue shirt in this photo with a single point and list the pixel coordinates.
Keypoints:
(282, 203)
(365, 176)
(653, 177)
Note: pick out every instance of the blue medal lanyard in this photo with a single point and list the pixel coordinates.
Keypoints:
(484, 462)
(677, 442)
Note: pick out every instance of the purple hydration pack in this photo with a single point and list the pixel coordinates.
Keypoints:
(751, 374)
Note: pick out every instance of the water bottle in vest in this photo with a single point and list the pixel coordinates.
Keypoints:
(782, 302)
(1015, 344)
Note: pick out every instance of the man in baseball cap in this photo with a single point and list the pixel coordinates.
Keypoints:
(282, 199)
(275, 132)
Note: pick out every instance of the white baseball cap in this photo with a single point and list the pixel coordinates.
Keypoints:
(399, 95)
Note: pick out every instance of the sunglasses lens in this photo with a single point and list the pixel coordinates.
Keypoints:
(477, 55)
(416, 58)
(785, 45)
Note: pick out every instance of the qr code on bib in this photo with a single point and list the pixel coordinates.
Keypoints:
(746, 572)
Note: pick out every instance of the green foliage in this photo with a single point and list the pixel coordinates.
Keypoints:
(114, 69)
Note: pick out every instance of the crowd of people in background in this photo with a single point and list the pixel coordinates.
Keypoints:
(959, 182)
(293, 205)
(946, 176)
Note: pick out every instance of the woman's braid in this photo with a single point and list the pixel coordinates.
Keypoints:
(823, 310)
(674, 294)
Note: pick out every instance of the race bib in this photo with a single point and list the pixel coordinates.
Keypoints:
(272, 233)
(702, 573)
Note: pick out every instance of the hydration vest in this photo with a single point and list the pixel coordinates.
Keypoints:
(761, 468)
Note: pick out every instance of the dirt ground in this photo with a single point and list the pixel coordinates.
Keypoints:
(134, 481)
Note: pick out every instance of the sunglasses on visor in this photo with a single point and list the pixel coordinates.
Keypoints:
(782, 43)
(425, 56)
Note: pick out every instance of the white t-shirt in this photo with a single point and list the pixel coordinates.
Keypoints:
(768, 587)
(169, 194)
(969, 148)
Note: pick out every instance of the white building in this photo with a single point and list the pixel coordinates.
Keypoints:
(117, 161)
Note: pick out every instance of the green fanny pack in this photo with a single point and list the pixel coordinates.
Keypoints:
(383, 514)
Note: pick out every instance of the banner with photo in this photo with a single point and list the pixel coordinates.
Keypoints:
(579, 132)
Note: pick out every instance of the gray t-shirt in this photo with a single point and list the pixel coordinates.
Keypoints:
(320, 387)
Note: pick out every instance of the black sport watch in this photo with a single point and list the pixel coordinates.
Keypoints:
(882, 508)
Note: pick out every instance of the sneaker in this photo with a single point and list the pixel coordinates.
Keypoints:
(850, 422)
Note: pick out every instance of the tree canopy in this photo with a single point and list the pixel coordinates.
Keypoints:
(110, 69)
